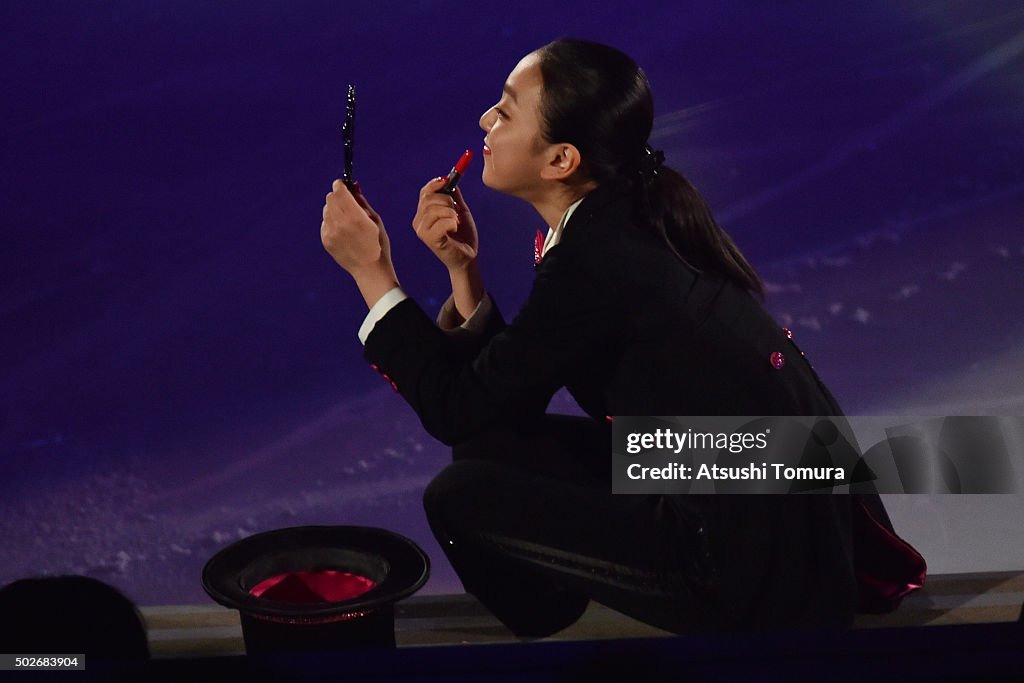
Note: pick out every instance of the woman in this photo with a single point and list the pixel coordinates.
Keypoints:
(641, 305)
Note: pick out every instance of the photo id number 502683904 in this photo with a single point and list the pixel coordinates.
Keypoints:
(39, 662)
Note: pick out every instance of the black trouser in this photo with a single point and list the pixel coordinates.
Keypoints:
(529, 523)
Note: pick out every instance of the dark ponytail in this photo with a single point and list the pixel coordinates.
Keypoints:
(597, 98)
(676, 211)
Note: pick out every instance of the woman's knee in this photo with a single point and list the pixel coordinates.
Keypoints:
(459, 489)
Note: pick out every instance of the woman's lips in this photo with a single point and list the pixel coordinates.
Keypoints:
(487, 150)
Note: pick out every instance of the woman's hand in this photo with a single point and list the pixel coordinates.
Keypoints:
(446, 226)
(354, 235)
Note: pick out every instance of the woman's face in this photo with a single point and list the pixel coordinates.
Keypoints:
(514, 149)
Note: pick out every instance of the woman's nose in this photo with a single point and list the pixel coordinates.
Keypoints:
(486, 119)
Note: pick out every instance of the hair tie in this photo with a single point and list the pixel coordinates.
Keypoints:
(651, 161)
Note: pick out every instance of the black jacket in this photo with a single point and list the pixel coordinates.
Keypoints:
(629, 329)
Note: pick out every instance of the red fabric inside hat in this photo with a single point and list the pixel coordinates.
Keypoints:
(326, 585)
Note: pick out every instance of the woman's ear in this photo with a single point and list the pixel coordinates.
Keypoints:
(563, 160)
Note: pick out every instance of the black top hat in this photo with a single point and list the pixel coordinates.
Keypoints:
(316, 587)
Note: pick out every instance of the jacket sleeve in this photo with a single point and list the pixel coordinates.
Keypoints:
(472, 335)
(567, 322)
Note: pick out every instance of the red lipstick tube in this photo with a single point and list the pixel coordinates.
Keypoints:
(456, 173)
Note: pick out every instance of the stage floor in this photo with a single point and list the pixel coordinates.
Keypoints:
(458, 619)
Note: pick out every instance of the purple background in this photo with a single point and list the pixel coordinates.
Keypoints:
(179, 361)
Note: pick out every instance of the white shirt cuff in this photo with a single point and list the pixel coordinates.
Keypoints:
(379, 310)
